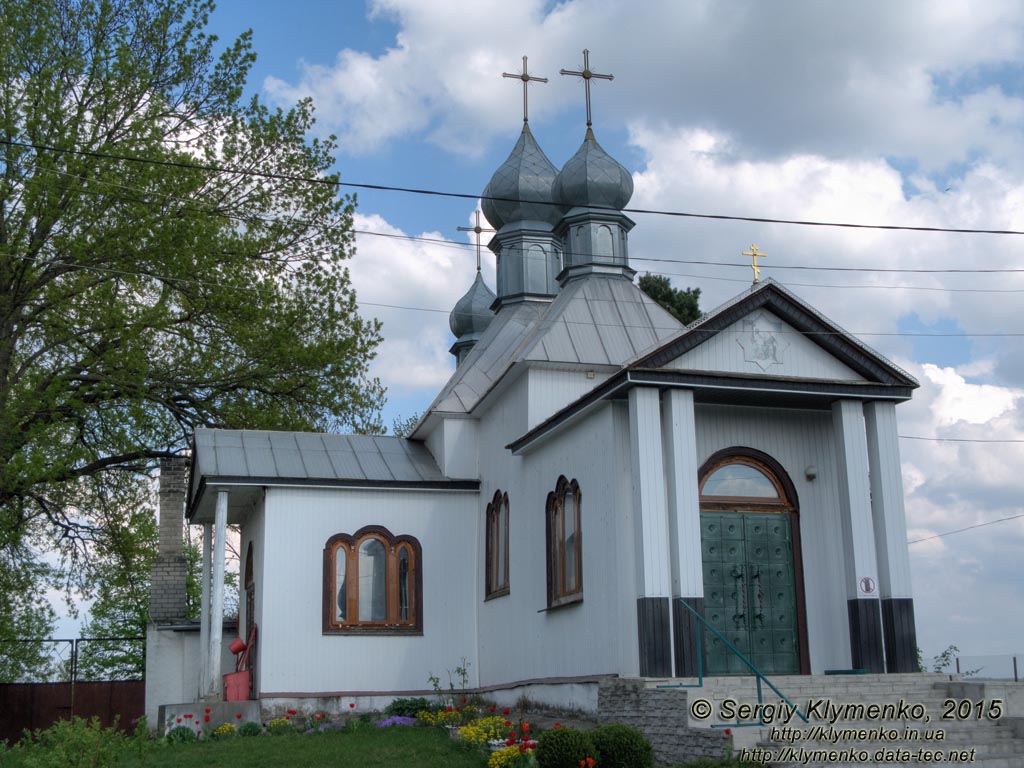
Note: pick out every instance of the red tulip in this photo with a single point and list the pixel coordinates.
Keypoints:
(207, 710)
(583, 763)
(505, 711)
(353, 706)
(591, 762)
(508, 723)
(522, 748)
(292, 712)
(728, 731)
(179, 719)
(510, 742)
(512, 735)
(286, 717)
(206, 718)
(239, 715)
(188, 717)
(526, 726)
(558, 725)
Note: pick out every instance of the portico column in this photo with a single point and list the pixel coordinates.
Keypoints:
(860, 568)
(652, 535)
(204, 610)
(891, 538)
(679, 432)
(217, 596)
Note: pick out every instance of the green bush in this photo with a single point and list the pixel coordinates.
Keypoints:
(181, 734)
(250, 729)
(281, 726)
(564, 748)
(408, 707)
(74, 743)
(622, 746)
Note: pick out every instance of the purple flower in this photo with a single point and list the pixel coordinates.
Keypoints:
(396, 720)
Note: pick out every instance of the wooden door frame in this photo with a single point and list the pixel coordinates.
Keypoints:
(790, 506)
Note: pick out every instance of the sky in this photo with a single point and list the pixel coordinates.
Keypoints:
(906, 113)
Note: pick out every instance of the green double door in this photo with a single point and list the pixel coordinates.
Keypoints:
(750, 592)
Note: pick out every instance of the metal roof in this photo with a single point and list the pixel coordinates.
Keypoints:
(270, 456)
(597, 320)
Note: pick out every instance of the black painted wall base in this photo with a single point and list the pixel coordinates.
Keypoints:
(900, 634)
(866, 634)
(652, 619)
(685, 628)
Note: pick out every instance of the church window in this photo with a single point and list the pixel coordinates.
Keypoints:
(372, 583)
(564, 544)
(497, 546)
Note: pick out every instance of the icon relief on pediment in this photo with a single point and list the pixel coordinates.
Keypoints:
(762, 340)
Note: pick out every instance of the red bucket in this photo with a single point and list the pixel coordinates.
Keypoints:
(237, 645)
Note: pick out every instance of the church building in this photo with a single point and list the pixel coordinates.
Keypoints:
(593, 477)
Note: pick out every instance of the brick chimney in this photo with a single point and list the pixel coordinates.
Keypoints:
(167, 582)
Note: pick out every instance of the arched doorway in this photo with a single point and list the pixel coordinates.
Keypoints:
(750, 544)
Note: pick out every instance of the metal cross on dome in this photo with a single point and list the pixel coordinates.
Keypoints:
(587, 75)
(479, 230)
(755, 254)
(527, 78)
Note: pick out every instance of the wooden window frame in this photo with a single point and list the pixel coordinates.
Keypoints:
(347, 545)
(785, 499)
(558, 593)
(496, 584)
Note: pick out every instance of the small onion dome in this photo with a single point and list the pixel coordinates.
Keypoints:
(523, 182)
(592, 177)
(472, 313)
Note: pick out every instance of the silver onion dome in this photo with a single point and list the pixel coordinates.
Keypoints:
(592, 177)
(523, 186)
(472, 313)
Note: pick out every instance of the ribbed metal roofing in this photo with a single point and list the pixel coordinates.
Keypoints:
(237, 453)
(597, 320)
(524, 182)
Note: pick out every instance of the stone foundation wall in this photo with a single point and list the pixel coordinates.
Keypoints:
(662, 714)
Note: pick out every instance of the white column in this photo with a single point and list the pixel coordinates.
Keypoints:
(680, 438)
(887, 500)
(649, 500)
(204, 611)
(855, 499)
(217, 596)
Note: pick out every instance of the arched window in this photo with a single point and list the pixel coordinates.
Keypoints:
(372, 583)
(564, 544)
(745, 479)
(497, 546)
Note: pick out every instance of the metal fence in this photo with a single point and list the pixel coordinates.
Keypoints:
(996, 667)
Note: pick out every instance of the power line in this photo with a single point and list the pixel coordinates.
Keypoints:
(465, 196)
(439, 242)
(956, 439)
(968, 528)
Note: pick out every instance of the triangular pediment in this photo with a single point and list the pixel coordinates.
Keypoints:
(771, 333)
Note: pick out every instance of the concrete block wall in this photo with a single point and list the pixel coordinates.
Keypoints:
(167, 577)
(662, 715)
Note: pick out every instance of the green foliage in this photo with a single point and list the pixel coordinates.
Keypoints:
(250, 729)
(682, 304)
(408, 707)
(402, 426)
(181, 734)
(280, 726)
(564, 748)
(26, 618)
(622, 746)
(140, 300)
(74, 743)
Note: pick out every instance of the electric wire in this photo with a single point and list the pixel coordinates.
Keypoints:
(968, 528)
(465, 196)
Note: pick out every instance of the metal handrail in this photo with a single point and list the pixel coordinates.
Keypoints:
(736, 651)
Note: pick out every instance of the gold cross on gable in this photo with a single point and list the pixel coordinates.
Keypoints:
(587, 75)
(755, 254)
(478, 229)
(527, 78)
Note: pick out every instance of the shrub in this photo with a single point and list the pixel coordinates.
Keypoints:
(225, 731)
(407, 707)
(479, 732)
(564, 748)
(250, 729)
(181, 734)
(72, 744)
(622, 746)
(281, 726)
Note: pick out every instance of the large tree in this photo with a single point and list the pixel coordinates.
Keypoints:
(681, 302)
(171, 256)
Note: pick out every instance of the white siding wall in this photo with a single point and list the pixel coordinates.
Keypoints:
(297, 657)
(453, 444)
(800, 356)
(797, 439)
(551, 390)
(518, 639)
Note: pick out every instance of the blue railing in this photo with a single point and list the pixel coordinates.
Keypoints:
(760, 676)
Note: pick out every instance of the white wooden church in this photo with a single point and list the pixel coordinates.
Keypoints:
(590, 465)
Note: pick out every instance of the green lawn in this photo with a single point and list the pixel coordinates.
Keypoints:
(366, 747)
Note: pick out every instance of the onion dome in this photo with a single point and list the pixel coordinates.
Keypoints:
(592, 177)
(472, 313)
(523, 182)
